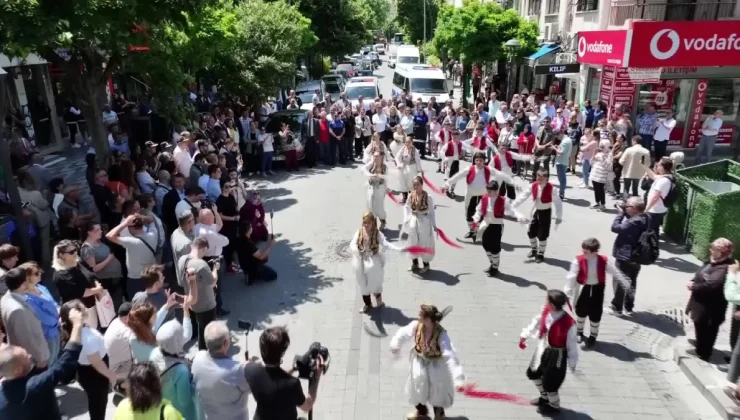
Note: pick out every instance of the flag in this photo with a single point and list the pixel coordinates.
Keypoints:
(447, 240)
(393, 197)
(430, 185)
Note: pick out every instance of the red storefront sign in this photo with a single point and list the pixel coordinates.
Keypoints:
(696, 111)
(602, 47)
(684, 43)
(607, 85)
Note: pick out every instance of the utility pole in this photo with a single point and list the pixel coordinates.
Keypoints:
(425, 20)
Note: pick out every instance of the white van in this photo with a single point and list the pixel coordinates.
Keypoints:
(407, 54)
(422, 81)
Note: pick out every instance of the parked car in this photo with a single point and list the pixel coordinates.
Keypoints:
(346, 69)
(334, 78)
(379, 48)
(306, 90)
(297, 120)
(372, 55)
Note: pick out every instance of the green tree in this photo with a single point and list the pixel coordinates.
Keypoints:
(410, 17)
(342, 26)
(378, 14)
(88, 40)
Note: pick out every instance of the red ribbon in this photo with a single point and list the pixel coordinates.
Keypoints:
(430, 185)
(447, 240)
(418, 250)
(393, 197)
(472, 392)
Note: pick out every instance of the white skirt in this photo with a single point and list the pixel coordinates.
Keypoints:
(430, 382)
(369, 273)
(406, 177)
(395, 147)
(376, 200)
(421, 233)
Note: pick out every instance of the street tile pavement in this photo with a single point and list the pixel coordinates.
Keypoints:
(629, 375)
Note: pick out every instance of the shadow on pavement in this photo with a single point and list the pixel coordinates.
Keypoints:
(619, 351)
(509, 247)
(386, 315)
(73, 402)
(578, 202)
(442, 277)
(569, 414)
(519, 281)
(660, 323)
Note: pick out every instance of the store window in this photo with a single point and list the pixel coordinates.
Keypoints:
(587, 5)
(594, 84)
(722, 95)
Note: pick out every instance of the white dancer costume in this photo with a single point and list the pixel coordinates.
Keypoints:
(367, 154)
(419, 223)
(451, 153)
(409, 165)
(435, 370)
(368, 260)
(480, 143)
(397, 143)
(477, 179)
(376, 188)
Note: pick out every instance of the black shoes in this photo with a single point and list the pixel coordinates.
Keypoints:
(532, 253)
(492, 271)
(548, 410)
(590, 342)
(222, 312)
(539, 258)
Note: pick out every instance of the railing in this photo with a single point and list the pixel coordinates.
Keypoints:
(534, 7)
(553, 7)
(700, 10)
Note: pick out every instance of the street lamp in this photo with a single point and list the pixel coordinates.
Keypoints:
(512, 46)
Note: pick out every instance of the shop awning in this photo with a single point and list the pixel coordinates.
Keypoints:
(544, 50)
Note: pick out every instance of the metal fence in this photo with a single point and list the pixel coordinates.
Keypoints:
(697, 10)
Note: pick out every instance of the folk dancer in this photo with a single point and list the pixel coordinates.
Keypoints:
(452, 153)
(419, 223)
(368, 260)
(480, 141)
(444, 137)
(557, 348)
(376, 171)
(375, 146)
(399, 139)
(477, 177)
(585, 284)
(504, 161)
(408, 163)
(541, 192)
(489, 216)
(435, 371)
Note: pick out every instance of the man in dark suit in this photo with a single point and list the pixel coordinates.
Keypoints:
(313, 132)
(170, 200)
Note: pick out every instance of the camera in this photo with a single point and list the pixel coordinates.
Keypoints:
(219, 259)
(306, 364)
(206, 204)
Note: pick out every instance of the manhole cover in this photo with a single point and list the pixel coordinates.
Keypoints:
(342, 250)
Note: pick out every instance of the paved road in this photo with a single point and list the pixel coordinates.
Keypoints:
(629, 375)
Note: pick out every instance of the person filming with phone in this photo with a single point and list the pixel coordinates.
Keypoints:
(277, 392)
(204, 310)
(629, 225)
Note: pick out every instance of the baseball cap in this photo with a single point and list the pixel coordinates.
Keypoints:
(165, 145)
(150, 144)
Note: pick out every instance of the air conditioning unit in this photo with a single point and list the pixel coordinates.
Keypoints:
(532, 18)
(552, 32)
(565, 58)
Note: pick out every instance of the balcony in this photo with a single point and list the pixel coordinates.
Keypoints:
(621, 11)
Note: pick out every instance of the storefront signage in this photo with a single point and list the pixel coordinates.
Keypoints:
(695, 112)
(602, 47)
(644, 75)
(682, 43)
(557, 68)
(607, 85)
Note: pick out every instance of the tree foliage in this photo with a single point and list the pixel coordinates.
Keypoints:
(341, 26)
(477, 32)
(410, 17)
(378, 14)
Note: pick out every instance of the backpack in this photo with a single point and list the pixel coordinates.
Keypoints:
(670, 198)
(647, 249)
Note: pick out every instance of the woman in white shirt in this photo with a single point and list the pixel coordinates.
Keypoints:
(363, 131)
(407, 122)
(267, 148)
(380, 123)
(663, 128)
(506, 136)
(93, 373)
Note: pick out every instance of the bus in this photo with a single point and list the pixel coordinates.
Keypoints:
(398, 38)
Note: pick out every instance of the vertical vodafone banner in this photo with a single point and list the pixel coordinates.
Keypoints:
(624, 90)
(607, 84)
(696, 111)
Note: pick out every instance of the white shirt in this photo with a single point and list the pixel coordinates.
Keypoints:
(109, 117)
(711, 126)
(216, 241)
(117, 345)
(493, 107)
(662, 185)
(664, 128)
(505, 168)
(538, 204)
(183, 161)
(572, 288)
(92, 343)
(380, 121)
(182, 207)
(267, 142)
(478, 186)
(363, 127)
(571, 344)
(488, 216)
(502, 117)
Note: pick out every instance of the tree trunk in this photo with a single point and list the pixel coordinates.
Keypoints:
(467, 71)
(91, 109)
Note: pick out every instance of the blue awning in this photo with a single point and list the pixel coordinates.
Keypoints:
(544, 50)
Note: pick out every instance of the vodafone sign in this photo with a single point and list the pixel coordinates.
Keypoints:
(604, 48)
(685, 43)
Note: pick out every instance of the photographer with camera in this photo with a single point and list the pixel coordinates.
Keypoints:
(208, 227)
(140, 251)
(277, 392)
(630, 225)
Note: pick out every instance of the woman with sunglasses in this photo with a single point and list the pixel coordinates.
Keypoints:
(44, 306)
(72, 282)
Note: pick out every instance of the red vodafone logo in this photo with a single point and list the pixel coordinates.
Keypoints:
(597, 47)
(667, 36)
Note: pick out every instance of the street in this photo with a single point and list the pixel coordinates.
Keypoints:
(630, 373)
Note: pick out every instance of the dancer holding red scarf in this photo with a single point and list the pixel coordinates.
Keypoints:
(452, 152)
(557, 349)
(542, 194)
(444, 137)
(505, 161)
(477, 177)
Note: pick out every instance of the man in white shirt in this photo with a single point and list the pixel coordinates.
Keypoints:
(208, 226)
(380, 122)
(117, 345)
(709, 132)
(181, 155)
(502, 115)
(663, 128)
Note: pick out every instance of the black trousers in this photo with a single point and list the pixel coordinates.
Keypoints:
(544, 164)
(252, 162)
(311, 152)
(599, 192)
(660, 149)
(617, 178)
(96, 388)
(201, 319)
(621, 298)
(539, 227)
(360, 145)
(221, 271)
(706, 329)
(454, 168)
(492, 238)
(590, 302)
(472, 204)
(507, 190)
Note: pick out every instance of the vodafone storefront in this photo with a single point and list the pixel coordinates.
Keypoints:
(692, 67)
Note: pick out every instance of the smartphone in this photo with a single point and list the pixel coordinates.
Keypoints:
(180, 299)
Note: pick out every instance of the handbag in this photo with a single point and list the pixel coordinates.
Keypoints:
(105, 309)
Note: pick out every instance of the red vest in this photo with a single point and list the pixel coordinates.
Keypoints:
(601, 261)
(499, 207)
(451, 152)
(479, 142)
(557, 336)
(546, 192)
(444, 136)
(471, 174)
(497, 161)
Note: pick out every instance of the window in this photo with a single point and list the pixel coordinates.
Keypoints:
(369, 92)
(408, 60)
(398, 80)
(553, 7)
(427, 85)
(534, 7)
(587, 5)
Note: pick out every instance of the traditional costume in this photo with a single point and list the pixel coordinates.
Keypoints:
(480, 143)
(541, 215)
(452, 152)
(489, 216)
(419, 224)
(376, 190)
(504, 162)
(477, 179)
(397, 143)
(585, 284)
(435, 371)
(444, 137)
(409, 165)
(368, 261)
(374, 146)
(557, 348)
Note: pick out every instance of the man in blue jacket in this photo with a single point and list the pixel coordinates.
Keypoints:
(629, 225)
(27, 394)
